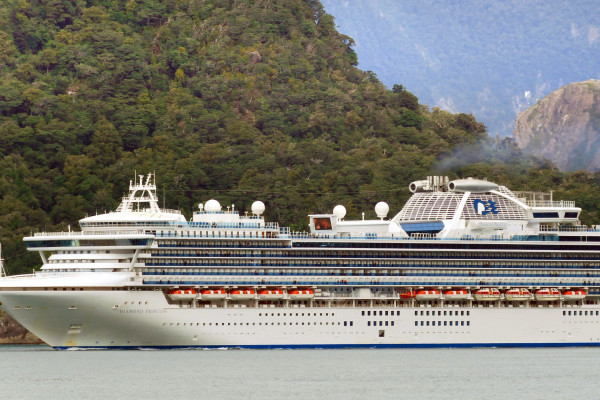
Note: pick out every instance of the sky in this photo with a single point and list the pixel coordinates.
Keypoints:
(489, 59)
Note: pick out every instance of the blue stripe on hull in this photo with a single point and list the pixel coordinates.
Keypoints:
(340, 346)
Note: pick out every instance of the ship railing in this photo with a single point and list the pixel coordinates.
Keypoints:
(533, 236)
(148, 224)
(186, 225)
(44, 273)
(21, 276)
(170, 211)
(146, 209)
(571, 228)
(355, 296)
(476, 282)
(88, 233)
(232, 212)
(549, 203)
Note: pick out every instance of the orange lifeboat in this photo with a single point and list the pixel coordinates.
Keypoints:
(242, 294)
(408, 295)
(427, 295)
(547, 294)
(182, 294)
(460, 294)
(213, 294)
(518, 294)
(301, 294)
(271, 294)
(487, 294)
(574, 294)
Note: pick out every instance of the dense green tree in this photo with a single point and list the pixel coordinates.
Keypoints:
(235, 100)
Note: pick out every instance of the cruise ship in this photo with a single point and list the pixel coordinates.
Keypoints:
(465, 263)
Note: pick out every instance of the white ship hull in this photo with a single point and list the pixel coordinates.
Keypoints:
(145, 277)
(144, 319)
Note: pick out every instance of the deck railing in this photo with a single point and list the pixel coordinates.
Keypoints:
(548, 203)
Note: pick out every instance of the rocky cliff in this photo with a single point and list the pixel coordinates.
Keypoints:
(11, 332)
(564, 127)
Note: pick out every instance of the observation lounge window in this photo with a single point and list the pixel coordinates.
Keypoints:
(322, 224)
(545, 215)
(422, 227)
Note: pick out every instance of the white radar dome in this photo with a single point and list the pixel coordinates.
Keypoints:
(212, 206)
(339, 211)
(258, 207)
(382, 209)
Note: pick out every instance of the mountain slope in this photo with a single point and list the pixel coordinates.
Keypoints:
(236, 100)
(564, 127)
(491, 59)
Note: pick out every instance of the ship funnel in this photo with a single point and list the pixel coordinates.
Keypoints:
(419, 186)
(471, 185)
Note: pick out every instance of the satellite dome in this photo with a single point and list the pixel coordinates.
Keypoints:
(382, 209)
(258, 207)
(212, 206)
(339, 211)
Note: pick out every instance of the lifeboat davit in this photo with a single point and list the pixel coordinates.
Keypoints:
(574, 294)
(547, 294)
(213, 294)
(519, 294)
(273, 294)
(183, 294)
(242, 294)
(408, 295)
(301, 294)
(487, 294)
(460, 294)
(427, 295)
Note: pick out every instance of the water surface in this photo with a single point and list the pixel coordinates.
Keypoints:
(38, 372)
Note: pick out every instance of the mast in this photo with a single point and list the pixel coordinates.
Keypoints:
(2, 270)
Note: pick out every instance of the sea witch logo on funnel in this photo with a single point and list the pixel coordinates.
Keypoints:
(485, 207)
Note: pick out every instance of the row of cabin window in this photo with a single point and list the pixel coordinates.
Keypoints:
(297, 314)
(326, 281)
(243, 269)
(381, 323)
(381, 313)
(581, 313)
(455, 248)
(440, 313)
(346, 323)
(336, 259)
(439, 323)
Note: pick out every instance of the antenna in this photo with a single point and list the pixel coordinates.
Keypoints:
(2, 270)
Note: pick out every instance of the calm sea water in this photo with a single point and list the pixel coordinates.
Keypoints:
(38, 372)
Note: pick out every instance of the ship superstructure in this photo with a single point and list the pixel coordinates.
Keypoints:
(464, 263)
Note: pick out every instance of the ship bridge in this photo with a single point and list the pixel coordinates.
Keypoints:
(139, 208)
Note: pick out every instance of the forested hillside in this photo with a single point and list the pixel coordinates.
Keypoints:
(234, 100)
(493, 59)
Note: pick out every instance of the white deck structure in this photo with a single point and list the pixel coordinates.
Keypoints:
(436, 274)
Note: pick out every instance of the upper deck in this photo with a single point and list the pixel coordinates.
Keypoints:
(439, 209)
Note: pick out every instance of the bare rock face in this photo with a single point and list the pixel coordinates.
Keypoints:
(564, 127)
(254, 57)
(11, 332)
